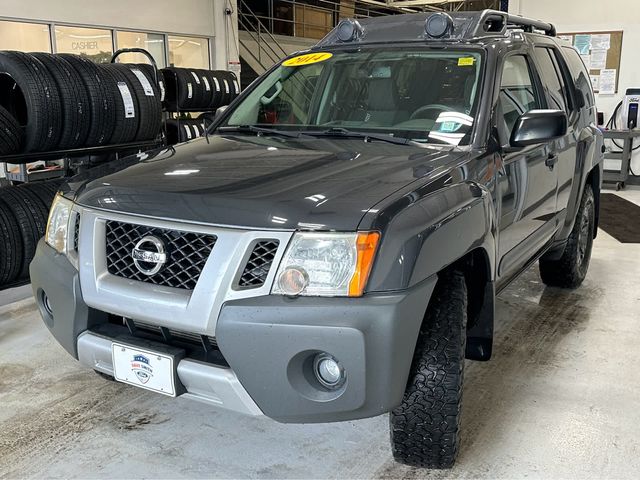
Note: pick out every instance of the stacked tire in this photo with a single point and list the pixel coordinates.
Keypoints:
(183, 129)
(63, 102)
(198, 90)
(23, 219)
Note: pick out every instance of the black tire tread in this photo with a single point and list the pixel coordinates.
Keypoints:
(74, 98)
(425, 427)
(11, 240)
(566, 272)
(43, 106)
(11, 134)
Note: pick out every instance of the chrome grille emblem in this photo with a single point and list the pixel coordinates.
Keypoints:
(149, 255)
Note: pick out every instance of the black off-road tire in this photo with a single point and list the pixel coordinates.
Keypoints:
(76, 110)
(571, 269)
(11, 241)
(11, 134)
(425, 428)
(30, 94)
(101, 100)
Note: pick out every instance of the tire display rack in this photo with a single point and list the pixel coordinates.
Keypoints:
(73, 160)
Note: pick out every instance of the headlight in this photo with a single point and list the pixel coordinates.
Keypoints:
(327, 264)
(58, 225)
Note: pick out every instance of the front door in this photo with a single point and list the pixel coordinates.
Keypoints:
(527, 181)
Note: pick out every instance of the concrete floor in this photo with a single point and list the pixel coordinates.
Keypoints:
(559, 399)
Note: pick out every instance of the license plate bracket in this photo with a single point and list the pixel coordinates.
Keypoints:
(152, 367)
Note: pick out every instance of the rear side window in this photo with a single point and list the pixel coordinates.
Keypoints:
(517, 94)
(580, 75)
(552, 78)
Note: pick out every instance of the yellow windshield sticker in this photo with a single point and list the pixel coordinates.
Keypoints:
(466, 61)
(307, 59)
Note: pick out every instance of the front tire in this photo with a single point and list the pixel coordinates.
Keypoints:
(571, 269)
(425, 428)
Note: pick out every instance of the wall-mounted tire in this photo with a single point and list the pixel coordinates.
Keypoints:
(11, 134)
(11, 240)
(102, 102)
(29, 93)
(76, 110)
(128, 113)
(149, 98)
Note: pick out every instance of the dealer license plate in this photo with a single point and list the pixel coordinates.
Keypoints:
(144, 368)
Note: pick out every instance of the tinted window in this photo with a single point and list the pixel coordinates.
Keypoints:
(580, 75)
(551, 77)
(424, 95)
(517, 94)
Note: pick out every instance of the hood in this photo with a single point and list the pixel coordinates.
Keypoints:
(263, 182)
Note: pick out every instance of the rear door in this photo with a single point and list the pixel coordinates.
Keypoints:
(526, 185)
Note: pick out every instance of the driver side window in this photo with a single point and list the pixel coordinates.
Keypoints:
(517, 95)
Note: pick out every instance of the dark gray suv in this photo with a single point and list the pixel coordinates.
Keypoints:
(333, 249)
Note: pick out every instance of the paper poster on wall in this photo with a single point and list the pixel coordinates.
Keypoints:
(598, 59)
(595, 82)
(587, 61)
(608, 81)
(601, 41)
(582, 43)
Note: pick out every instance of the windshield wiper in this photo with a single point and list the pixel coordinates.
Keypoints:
(256, 129)
(343, 132)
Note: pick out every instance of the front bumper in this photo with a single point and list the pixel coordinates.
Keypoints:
(269, 343)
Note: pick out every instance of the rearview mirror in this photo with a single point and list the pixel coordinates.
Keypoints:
(539, 126)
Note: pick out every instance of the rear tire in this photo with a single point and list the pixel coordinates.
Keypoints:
(425, 427)
(571, 269)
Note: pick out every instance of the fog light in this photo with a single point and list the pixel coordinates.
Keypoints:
(293, 280)
(328, 371)
(46, 303)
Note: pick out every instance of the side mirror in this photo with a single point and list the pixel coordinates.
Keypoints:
(220, 111)
(539, 126)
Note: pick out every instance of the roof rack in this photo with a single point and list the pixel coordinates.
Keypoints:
(494, 22)
(529, 25)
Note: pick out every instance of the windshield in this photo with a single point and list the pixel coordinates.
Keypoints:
(422, 95)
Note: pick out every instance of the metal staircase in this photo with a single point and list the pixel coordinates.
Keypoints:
(259, 48)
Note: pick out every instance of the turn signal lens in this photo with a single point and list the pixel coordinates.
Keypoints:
(366, 245)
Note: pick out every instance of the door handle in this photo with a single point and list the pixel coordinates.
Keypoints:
(551, 160)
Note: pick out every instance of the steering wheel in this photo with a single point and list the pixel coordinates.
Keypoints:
(438, 107)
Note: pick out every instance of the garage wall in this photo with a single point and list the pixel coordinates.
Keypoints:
(593, 16)
(190, 17)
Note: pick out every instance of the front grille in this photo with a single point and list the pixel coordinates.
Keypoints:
(259, 263)
(187, 254)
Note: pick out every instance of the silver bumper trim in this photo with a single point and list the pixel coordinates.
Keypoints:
(207, 383)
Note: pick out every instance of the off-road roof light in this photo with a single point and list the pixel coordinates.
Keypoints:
(349, 30)
(439, 25)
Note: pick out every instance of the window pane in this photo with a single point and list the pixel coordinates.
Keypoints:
(96, 44)
(517, 95)
(189, 52)
(549, 75)
(152, 42)
(25, 37)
